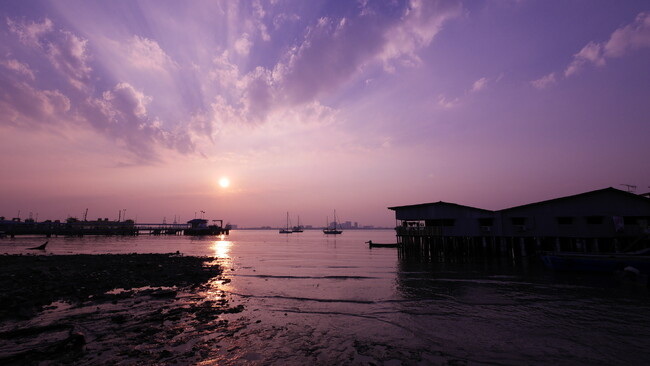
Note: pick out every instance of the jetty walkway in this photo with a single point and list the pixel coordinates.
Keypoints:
(12, 228)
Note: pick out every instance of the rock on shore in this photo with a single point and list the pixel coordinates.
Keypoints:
(31, 282)
(166, 308)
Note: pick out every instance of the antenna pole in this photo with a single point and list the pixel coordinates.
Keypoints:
(630, 187)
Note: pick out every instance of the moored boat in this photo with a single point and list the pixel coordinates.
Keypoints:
(297, 228)
(382, 245)
(286, 229)
(334, 230)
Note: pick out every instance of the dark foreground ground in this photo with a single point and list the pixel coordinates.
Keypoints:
(111, 309)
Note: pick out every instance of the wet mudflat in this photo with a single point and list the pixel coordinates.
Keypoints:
(111, 309)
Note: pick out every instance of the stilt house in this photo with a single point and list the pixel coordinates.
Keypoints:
(605, 220)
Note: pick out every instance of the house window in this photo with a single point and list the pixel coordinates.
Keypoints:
(630, 220)
(565, 220)
(448, 222)
(518, 221)
(440, 222)
(594, 220)
(486, 221)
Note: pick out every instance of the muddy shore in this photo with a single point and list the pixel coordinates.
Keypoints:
(111, 309)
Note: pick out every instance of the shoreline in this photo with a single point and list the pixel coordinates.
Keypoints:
(111, 308)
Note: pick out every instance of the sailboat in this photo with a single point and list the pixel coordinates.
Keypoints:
(286, 229)
(297, 228)
(332, 230)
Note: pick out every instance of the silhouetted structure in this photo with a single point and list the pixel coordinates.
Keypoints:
(200, 227)
(71, 227)
(606, 220)
(75, 227)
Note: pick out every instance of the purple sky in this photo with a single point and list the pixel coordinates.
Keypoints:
(311, 106)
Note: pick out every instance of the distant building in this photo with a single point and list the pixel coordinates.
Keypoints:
(198, 223)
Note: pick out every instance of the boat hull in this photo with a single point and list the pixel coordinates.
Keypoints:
(383, 245)
(606, 262)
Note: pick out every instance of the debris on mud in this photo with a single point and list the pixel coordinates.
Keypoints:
(110, 309)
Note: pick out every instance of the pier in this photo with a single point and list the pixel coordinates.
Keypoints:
(75, 227)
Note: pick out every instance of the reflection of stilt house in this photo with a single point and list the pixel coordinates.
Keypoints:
(606, 220)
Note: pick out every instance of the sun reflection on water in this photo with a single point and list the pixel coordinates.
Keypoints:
(221, 248)
(219, 285)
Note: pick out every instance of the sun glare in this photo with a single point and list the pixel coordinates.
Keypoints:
(224, 182)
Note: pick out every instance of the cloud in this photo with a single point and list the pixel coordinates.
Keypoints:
(243, 84)
(122, 113)
(30, 33)
(545, 81)
(243, 45)
(23, 105)
(283, 18)
(479, 85)
(592, 53)
(623, 40)
(633, 36)
(421, 22)
(447, 103)
(145, 53)
(331, 53)
(334, 50)
(244, 98)
(26, 106)
(18, 67)
(66, 52)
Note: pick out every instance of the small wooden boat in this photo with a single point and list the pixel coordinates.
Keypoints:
(382, 245)
(40, 247)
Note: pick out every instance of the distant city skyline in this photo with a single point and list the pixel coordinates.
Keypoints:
(246, 110)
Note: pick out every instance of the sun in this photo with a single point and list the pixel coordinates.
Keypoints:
(224, 182)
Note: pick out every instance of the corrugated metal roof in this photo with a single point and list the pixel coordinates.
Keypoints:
(439, 203)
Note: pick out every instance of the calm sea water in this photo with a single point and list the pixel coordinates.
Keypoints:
(314, 299)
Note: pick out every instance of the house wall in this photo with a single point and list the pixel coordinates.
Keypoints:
(594, 215)
(606, 213)
(443, 219)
